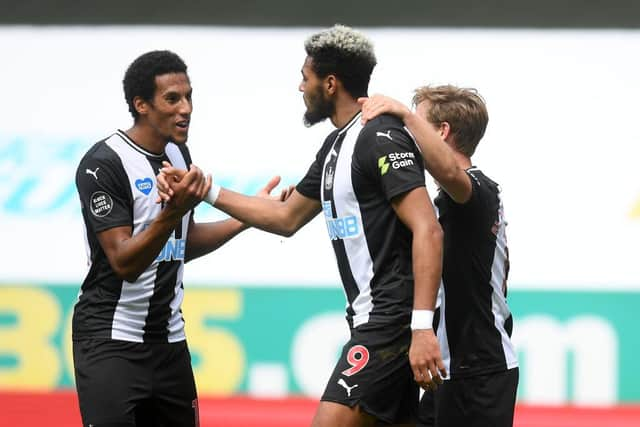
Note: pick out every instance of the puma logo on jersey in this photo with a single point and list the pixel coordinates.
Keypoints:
(94, 173)
(344, 384)
(385, 134)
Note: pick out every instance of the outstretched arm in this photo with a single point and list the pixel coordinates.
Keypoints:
(284, 218)
(415, 210)
(440, 160)
(204, 238)
(269, 214)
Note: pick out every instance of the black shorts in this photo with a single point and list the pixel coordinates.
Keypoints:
(374, 372)
(123, 383)
(476, 401)
(427, 409)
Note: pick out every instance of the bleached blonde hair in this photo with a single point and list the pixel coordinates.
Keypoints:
(344, 52)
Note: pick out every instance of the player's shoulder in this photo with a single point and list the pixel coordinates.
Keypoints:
(386, 128)
(483, 187)
(332, 136)
(328, 142)
(384, 121)
(100, 153)
(480, 178)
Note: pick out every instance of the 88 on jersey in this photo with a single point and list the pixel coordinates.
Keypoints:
(340, 228)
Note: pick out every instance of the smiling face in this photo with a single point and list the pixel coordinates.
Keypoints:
(168, 113)
(319, 105)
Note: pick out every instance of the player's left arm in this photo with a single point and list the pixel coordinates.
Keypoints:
(204, 238)
(438, 156)
(416, 211)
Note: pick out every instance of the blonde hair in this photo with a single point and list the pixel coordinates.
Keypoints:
(344, 52)
(463, 108)
(342, 38)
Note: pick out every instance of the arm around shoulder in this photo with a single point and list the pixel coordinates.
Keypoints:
(441, 161)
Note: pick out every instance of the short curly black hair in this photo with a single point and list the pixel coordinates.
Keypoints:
(140, 77)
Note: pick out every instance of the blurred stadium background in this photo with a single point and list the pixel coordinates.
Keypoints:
(264, 314)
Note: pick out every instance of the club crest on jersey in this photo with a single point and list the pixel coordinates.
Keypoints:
(144, 185)
(100, 204)
(328, 178)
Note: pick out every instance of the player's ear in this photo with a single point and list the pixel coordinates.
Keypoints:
(141, 106)
(445, 130)
(331, 84)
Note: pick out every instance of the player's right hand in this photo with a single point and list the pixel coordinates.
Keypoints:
(169, 176)
(180, 189)
(376, 105)
(265, 192)
(426, 360)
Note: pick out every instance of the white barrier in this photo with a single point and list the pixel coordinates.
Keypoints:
(562, 140)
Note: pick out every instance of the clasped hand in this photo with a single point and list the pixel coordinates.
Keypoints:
(171, 179)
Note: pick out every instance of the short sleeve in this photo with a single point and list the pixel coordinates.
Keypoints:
(310, 184)
(105, 194)
(386, 153)
(482, 192)
(477, 191)
(481, 206)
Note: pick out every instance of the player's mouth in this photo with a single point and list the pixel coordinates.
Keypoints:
(183, 124)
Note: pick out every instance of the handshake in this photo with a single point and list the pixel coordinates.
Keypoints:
(203, 187)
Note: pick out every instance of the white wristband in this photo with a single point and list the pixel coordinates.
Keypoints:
(421, 319)
(212, 195)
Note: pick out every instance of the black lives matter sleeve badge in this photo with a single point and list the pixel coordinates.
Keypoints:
(101, 204)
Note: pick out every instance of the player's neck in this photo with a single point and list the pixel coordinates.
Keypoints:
(346, 109)
(145, 137)
(463, 161)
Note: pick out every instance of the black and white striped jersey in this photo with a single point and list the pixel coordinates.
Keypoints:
(117, 186)
(475, 322)
(355, 175)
